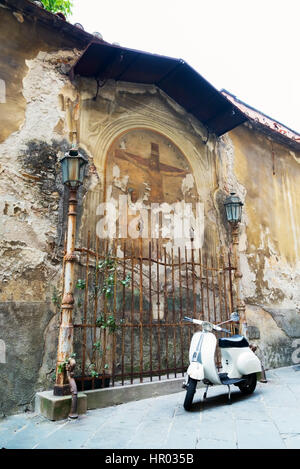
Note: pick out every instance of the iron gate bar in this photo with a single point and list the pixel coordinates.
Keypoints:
(85, 304)
(166, 309)
(123, 311)
(213, 288)
(105, 318)
(201, 316)
(205, 298)
(132, 308)
(187, 290)
(230, 282)
(180, 309)
(173, 309)
(158, 309)
(114, 312)
(141, 308)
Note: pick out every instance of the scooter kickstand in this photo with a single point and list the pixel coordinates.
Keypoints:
(205, 393)
(229, 394)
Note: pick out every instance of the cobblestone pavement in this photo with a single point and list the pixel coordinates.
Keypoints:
(269, 418)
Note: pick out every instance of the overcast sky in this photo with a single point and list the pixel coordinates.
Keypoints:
(250, 48)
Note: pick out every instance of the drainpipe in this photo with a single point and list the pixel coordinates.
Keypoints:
(241, 308)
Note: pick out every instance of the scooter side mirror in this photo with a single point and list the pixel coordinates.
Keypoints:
(234, 317)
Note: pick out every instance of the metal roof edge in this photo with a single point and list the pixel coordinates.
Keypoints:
(279, 131)
(231, 108)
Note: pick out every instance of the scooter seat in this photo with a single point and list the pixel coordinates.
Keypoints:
(233, 341)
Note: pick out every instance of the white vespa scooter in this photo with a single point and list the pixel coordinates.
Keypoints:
(239, 363)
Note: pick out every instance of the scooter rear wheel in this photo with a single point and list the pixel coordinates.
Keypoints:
(190, 391)
(249, 385)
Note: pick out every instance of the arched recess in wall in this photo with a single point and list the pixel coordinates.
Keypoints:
(193, 157)
(146, 174)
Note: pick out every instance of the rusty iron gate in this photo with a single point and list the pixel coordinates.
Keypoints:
(130, 300)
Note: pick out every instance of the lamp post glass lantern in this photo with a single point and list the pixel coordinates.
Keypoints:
(73, 166)
(233, 206)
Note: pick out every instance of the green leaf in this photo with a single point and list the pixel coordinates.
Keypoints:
(80, 284)
(65, 6)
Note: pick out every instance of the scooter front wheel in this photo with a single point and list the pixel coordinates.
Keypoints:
(249, 385)
(190, 391)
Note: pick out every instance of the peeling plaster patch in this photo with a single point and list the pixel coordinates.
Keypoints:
(133, 87)
(286, 319)
(293, 154)
(18, 16)
(16, 259)
(121, 183)
(116, 172)
(292, 216)
(279, 274)
(280, 278)
(187, 184)
(231, 184)
(248, 283)
(243, 242)
(41, 87)
(274, 346)
(147, 191)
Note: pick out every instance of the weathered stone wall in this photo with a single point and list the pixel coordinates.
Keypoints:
(40, 113)
(120, 107)
(33, 134)
(265, 174)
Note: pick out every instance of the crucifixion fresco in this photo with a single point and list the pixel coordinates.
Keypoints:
(150, 174)
(154, 170)
(150, 168)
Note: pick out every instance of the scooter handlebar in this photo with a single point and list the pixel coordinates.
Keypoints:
(188, 319)
(198, 321)
(195, 321)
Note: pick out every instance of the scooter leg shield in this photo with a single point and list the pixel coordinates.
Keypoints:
(196, 371)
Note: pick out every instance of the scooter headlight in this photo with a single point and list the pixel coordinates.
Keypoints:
(207, 326)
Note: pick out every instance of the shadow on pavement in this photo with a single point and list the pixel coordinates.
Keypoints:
(219, 400)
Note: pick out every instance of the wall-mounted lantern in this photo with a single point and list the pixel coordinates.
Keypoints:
(233, 206)
(73, 168)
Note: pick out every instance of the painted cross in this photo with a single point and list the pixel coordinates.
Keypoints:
(154, 168)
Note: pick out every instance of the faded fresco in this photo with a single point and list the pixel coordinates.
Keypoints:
(146, 172)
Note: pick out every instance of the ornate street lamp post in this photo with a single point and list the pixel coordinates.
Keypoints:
(73, 168)
(233, 207)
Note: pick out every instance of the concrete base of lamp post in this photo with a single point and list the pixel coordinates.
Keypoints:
(58, 408)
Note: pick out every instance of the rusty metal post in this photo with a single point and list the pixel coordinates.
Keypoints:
(240, 305)
(65, 341)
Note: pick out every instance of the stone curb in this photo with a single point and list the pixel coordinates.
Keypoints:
(58, 408)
